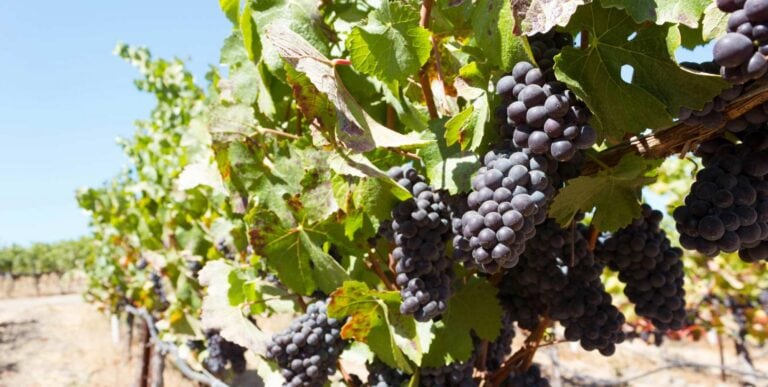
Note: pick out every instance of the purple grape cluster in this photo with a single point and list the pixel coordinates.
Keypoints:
(543, 115)
(532, 377)
(382, 375)
(422, 228)
(727, 208)
(509, 197)
(221, 352)
(308, 350)
(651, 268)
(499, 349)
(559, 278)
(741, 51)
(457, 374)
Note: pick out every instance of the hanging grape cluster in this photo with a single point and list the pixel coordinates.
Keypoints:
(221, 351)
(741, 52)
(727, 208)
(651, 268)
(308, 350)
(422, 226)
(559, 278)
(509, 197)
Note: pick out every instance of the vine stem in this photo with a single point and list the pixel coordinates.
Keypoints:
(372, 264)
(592, 235)
(426, 88)
(673, 139)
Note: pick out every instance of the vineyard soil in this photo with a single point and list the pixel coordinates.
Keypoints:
(62, 341)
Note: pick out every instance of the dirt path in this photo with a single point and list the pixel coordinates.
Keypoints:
(62, 341)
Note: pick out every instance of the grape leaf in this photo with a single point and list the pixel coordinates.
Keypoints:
(249, 30)
(714, 23)
(659, 87)
(447, 166)
(539, 16)
(300, 16)
(374, 319)
(687, 12)
(392, 46)
(474, 308)
(493, 23)
(219, 313)
(200, 173)
(366, 134)
(614, 194)
(299, 261)
(231, 8)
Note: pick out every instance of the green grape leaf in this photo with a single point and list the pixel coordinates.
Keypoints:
(493, 24)
(232, 51)
(231, 8)
(358, 130)
(468, 127)
(448, 167)
(714, 23)
(540, 16)
(375, 319)
(300, 16)
(658, 88)
(249, 30)
(392, 46)
(614, 194)
(219, 313)
(474, 308)
(686, 12)
(298, 259)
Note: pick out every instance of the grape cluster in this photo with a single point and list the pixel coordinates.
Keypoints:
(308, 350)
(499, 349)
(741, 52)
(727, 208)
(225, 249)
(532, 377)
(221, 352)
(509, 197)
(422, 226)
(559, 278)
(651, 268)
(381, 375)
(544, 116)
(711, 115)
(158, 289)
(462, 253)
(457, 374)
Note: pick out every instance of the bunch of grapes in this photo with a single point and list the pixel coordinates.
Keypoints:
(727, 208)
(530, 378)
(651, 268)
(221, 352)
(381, 375)
(158, 289)
(741, 52)
(457, 374)
(559, 278)
(544, 115)
(509, 197)
(308, 350)
(225, 249)
(421, 228)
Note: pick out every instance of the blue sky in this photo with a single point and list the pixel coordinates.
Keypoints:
(64, 98)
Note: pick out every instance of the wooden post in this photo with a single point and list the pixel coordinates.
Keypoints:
(143, 369)
(158, 366)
